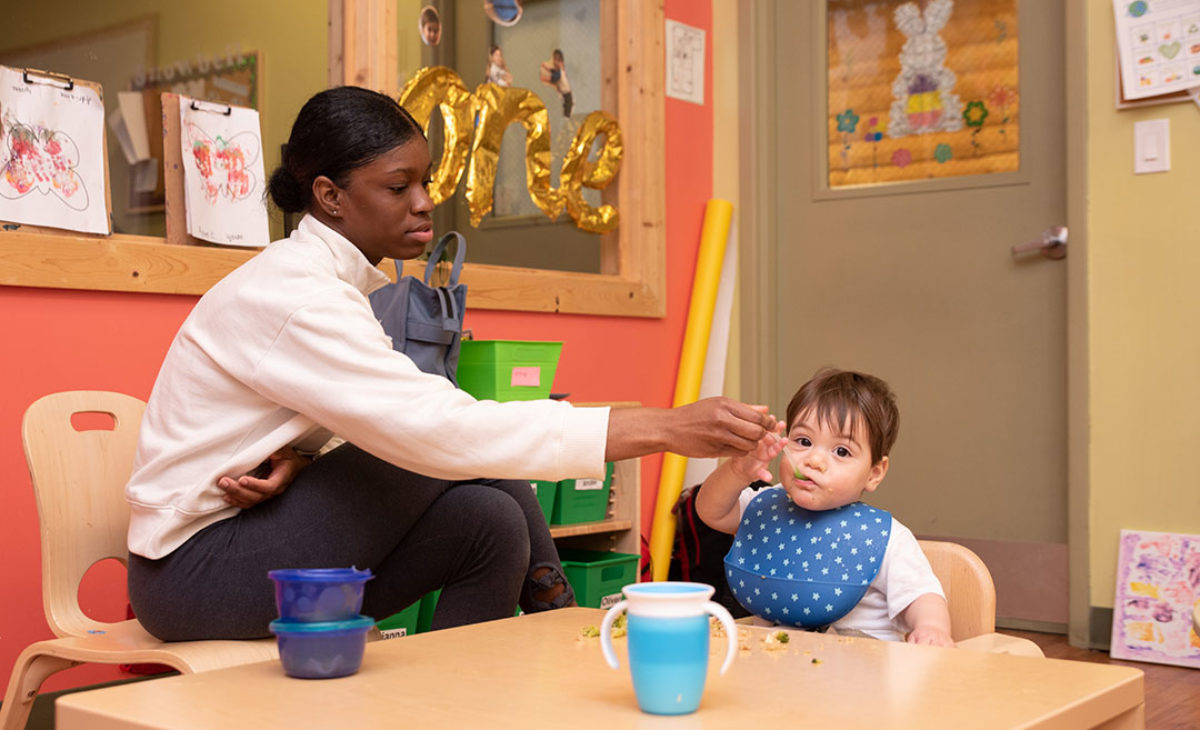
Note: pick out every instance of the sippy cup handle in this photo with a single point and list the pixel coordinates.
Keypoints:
(726, 620)
(606, 633)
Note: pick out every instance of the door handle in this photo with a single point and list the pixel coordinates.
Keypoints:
(1053, 244)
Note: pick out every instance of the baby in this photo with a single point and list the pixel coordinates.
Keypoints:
(807, 552)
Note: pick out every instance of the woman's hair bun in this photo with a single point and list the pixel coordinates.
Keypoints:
(285, 191)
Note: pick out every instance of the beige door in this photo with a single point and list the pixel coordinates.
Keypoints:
(921, 289)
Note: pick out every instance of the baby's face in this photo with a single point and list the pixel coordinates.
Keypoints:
(824, 468)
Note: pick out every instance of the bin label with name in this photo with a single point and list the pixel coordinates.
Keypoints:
(610, 600)
(527, 376)
(584, 485)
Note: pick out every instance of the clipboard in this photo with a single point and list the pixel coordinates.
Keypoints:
(173, 189)
(174, 180)
(68, 83)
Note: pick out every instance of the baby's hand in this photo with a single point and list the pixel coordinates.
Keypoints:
(931, 635)
(753, 465)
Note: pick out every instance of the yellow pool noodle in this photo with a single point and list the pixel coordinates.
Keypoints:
(715, 234)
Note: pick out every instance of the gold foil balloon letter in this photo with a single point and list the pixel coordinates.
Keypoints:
(578, 171)
(440, 88)
(488, 113)
(499, 107)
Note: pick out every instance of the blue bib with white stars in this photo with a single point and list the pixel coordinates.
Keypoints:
(802, 568)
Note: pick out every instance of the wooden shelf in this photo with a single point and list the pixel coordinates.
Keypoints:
(621, 530)
(589, 528)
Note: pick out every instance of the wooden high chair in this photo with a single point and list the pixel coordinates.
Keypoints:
(79, 480)
(971, 598)
(967, 583)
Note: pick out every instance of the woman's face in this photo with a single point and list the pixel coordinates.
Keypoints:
(385, 206)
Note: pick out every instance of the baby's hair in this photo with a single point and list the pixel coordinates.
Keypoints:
(493, 48)
(558, 55)
(429, 16)
(842, 399)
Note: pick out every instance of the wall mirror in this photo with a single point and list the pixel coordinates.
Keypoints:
(377, 44)
(561, 51)
(153, 46)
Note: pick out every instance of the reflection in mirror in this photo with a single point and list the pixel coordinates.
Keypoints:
(430, 26)
(271, 60)
(557, 50)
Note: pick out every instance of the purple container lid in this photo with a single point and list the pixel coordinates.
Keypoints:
(321, 575)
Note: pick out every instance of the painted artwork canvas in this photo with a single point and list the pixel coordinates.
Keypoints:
(1158, 584)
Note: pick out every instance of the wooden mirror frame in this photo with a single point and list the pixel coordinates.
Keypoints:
(362, 51)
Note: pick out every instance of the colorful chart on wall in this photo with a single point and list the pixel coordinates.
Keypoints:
(918, 91)
(1158, 44)
(52, 156)
(223, 173)
(1158, 584)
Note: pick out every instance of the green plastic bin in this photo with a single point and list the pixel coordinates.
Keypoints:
(582, 500)
(506, 370)
(425, 616)
(546, 493)
(401, 624)
(598, 576)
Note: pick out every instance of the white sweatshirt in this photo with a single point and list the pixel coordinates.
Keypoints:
(286, 350)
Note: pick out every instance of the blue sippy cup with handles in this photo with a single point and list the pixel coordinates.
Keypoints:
(667, 634)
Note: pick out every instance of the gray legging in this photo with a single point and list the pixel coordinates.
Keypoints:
(477, 540)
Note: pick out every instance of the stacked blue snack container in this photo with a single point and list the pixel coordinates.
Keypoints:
(320, 631)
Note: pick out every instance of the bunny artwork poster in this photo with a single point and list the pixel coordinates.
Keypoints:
(223, 173)
(921, 90)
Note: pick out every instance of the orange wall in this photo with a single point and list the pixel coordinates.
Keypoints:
(68, 340)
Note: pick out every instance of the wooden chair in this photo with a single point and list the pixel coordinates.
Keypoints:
(971, 598)
(79, 479)
(970, 593)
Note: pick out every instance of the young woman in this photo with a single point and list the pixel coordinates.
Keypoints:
(285, 351)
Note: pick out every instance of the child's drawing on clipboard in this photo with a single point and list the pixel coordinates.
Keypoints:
(223, 173)
(52, 156)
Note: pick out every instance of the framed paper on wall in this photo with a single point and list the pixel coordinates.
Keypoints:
(920, 91)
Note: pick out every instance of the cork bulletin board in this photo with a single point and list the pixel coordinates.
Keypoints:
(921, 90)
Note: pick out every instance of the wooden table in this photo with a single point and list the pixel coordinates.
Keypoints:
(533, 671)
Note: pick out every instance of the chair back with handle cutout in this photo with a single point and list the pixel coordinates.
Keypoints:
(79, 446)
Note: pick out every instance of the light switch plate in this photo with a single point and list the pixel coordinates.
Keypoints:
(1152, 146)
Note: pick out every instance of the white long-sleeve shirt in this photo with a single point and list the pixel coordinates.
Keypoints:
(285, 350)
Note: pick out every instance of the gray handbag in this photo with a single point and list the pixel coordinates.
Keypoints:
(425, 321)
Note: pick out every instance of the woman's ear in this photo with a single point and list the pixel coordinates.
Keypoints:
(327, 196)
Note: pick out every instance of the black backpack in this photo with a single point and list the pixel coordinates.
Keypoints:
(699, 553)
